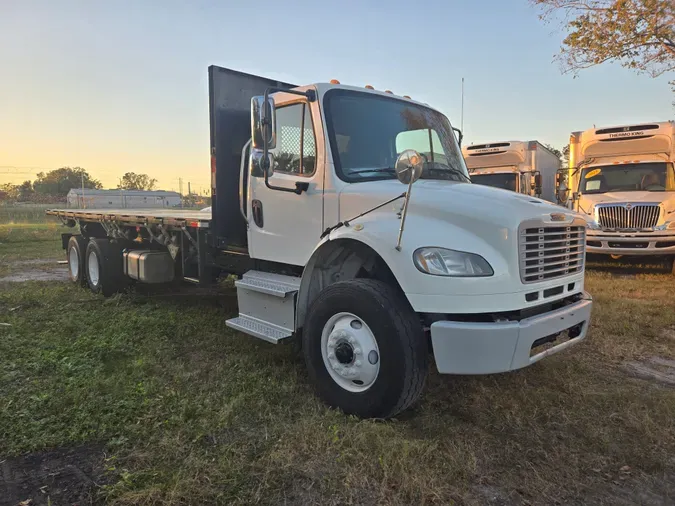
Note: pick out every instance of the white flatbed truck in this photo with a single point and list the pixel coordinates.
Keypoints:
(369, 275)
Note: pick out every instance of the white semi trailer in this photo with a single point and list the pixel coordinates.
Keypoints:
(526, 167)
(369, 275)
(622, 179)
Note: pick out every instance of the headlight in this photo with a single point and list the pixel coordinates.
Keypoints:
(448, 262)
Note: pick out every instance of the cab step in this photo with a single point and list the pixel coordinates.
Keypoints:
(262, 330)
(271, 284)
(266, 305)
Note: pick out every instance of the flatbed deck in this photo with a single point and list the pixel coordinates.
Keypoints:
(171, 217)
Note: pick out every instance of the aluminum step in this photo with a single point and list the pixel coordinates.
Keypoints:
(276, 285)
(262, 330)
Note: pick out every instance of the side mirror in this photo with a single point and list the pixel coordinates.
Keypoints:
(409, 166)
(575, 196)
(263, 123)
(460, 136)
(537, 183)
(256, 167)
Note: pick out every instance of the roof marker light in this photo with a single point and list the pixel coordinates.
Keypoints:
(389, 91)
(406, 96)
(334, 81)
(369, 87)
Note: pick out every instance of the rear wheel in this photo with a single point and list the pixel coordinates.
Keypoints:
(75, 253)
(103, 263)
(365, 349)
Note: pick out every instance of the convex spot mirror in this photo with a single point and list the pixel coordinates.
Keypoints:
(409, 165)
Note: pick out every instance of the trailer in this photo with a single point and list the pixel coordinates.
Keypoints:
(528, 167)
(622, 180)
(349, 219)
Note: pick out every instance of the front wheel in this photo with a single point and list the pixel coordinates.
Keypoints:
(365, 349)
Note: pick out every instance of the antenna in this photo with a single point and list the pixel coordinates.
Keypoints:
(461, 125)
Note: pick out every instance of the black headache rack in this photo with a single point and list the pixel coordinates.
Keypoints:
(230, 94)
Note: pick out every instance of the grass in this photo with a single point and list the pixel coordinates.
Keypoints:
(25, 213)
(22, 242)
(189, 412)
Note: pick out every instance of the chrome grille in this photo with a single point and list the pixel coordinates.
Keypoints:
(628, 216)
(551, 252)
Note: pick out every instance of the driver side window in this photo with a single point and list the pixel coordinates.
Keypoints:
(295, 152)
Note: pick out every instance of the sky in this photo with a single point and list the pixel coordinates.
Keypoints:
(122, 86)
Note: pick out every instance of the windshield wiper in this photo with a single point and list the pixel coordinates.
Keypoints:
(387, 170)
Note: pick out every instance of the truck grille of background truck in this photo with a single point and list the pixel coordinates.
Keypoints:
(550, 252)
(628, 216)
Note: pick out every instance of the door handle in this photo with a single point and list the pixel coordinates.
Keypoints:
(257, 211)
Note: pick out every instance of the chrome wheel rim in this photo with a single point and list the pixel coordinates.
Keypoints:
(92, 267)
(73, 263)
(350, 352)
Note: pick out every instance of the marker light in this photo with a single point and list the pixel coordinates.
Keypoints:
(334, 81)
(369, 87)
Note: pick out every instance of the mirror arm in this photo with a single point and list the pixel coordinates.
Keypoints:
(460, 136)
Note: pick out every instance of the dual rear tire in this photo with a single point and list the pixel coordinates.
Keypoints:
(96, 263)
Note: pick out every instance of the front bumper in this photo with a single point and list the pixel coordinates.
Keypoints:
(487, 348)
(626, 243)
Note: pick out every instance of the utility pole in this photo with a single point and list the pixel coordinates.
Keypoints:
(82, 178)
(461, 126)
(189, 190)
(180, 190)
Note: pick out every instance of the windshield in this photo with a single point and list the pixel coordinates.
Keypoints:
(367, 133)
(506, 181)
(626, 177)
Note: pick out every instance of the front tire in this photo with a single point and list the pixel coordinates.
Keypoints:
(103, 262)
(365, 349)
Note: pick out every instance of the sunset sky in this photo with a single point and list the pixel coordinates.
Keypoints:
(122, 86)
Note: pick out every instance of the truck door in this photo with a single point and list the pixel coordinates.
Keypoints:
(284, 226)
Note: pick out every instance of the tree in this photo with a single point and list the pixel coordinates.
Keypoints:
(133, 181)
(25, 191)
(563, 155)
(9, 191)
(638, 34)
(59, 182)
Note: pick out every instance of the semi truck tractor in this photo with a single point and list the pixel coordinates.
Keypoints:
(622, 180)
(349, 219)
(526, 167)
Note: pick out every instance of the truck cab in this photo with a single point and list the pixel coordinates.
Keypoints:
(349, 219)
(526, 167)
(622, 180)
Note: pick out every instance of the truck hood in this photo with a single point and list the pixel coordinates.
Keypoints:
(633, 196)
(466, 205)
(495, 170)
(587, 203)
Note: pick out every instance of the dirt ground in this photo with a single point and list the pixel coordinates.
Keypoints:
(60, 477)
(35, 270)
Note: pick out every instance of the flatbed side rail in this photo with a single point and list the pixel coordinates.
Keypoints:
(184, 219)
